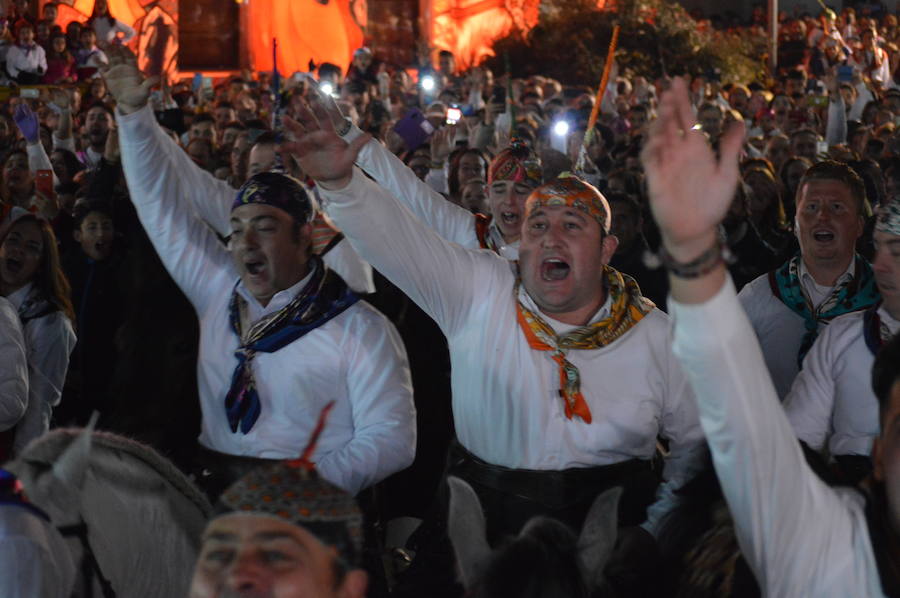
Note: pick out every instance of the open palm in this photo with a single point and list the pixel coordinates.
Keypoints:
(690, 189)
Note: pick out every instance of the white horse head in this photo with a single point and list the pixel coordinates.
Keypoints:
(545, 549)
(144, 518)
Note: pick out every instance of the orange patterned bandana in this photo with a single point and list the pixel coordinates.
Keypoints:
(517, 163)
(569, 190)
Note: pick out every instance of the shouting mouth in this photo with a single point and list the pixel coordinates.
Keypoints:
(823, 236)
(255, 268)
(553, 269)
(13, 266)
(509, 218)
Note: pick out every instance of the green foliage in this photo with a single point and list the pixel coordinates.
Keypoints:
(657, 37)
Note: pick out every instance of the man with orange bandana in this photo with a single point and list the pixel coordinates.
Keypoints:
(561, 373)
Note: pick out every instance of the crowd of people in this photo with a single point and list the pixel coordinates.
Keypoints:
(322, 295)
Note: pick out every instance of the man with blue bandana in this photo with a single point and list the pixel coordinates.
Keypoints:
(281, 335)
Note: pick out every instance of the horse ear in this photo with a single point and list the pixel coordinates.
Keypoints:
(72, 464)
(598, 537)
(467, 530)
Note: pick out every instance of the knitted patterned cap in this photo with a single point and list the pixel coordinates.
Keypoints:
(569, 190)
(293, 491)
(889, 217)
(278, 190)
(517, 163)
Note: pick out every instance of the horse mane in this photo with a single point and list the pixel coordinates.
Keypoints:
(48, 447)
(540, 562)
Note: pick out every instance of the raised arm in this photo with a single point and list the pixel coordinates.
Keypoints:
(191, 253)
(777, 503)
(447, 219)
(438, 275)
(14, 373)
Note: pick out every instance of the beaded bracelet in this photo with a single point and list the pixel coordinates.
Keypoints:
(705, 263)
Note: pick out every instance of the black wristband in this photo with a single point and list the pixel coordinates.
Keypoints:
(703, 264)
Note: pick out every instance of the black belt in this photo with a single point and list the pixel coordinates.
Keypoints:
(214, 471)
(553, 488)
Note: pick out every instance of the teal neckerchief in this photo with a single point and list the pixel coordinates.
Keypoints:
(859, 292)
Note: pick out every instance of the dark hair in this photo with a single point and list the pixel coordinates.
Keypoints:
(85, 208)
(49, 278)
(829, 170)
(453, 175)
(774, 217)
(203, 117)
(108, 16)
(541, 562)
(886, 372)
(327, 69)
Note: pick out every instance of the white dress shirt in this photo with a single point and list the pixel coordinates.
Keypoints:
(779, 329)
(831, 402)
(212, 198)
(29, 60)
(355, 359)
(449, 220)
(49, 341)
(107, 33)
(506, 403)
(13, 367)
(800, 537)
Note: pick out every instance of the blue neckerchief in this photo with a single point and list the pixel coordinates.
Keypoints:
(860, 292)
(324, 297)
(875, 333)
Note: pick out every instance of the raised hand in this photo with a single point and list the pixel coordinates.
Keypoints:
(690, 189)
(327, 102)
(442, 144)
(125, 81)
(27, 122)
(320, 151)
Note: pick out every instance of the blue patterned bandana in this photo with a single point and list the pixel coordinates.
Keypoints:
(277, 190)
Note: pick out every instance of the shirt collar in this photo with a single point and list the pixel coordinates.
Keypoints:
(561, 328)
(279, 300)
(17, 298)
(807, 279)
(509, 251)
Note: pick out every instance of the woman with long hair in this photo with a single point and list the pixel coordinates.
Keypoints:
(32, 279)
(60, 62)
(108, 27)
(16, 180)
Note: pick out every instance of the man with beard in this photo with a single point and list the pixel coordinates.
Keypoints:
(790, 305)
(98, 121)
(799, 536)
(562, 379)
(831, 404)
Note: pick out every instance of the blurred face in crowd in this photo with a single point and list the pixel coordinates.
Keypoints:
(59, 44)
(262, 157)
(257, 556)
(201, 152)
(241, 144)
(26, 35)
(223, 115)
(561, 258)
(474, 196)
(203, 129)
(507, 201)
(805, 145)
(42, 31)
(626, 223)
(268, 248)
(88, 38)
(50, 12)
(470, 167)
(886, 266)
(95, 235)
(20, 255)
(827, 223)
(228, 137)
(778, 151)
(447, 63)
(420, 164)
(97, 124)
(17, 177)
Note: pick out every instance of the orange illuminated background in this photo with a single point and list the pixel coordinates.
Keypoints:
(306, 30)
